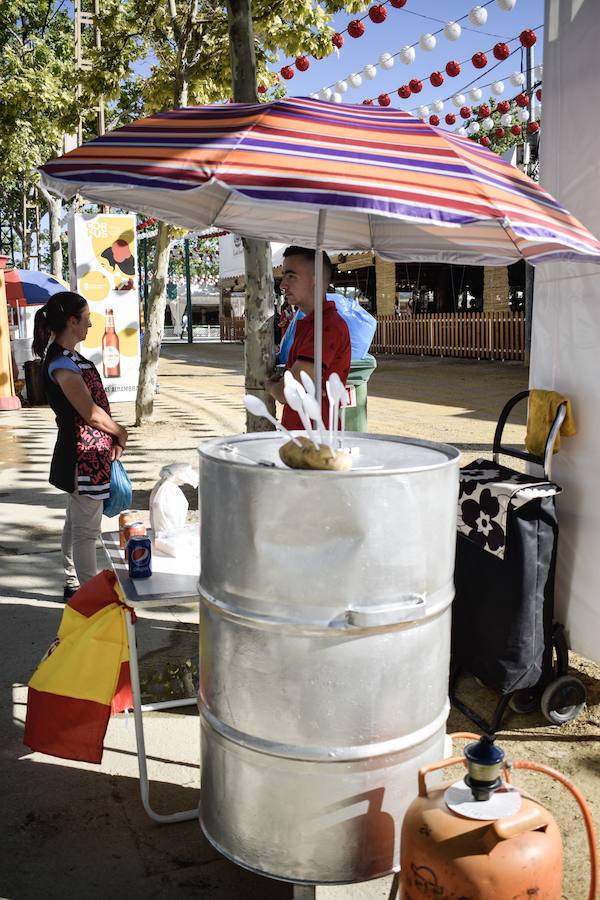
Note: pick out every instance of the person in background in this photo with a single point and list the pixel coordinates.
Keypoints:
(286, 314)
(298, 284)
(88, 437)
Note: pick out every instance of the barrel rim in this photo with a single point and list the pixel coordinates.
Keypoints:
(208, 450)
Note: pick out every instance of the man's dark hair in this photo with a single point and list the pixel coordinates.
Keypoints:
(309, 253)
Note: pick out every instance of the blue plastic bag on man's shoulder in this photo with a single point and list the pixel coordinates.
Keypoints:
(361, 326)
(120, 490)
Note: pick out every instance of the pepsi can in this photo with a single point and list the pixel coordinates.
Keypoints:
(139, 557)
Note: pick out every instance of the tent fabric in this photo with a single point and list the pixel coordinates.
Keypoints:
(566, 317)
(388, 181)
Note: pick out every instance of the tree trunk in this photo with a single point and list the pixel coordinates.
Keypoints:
(144, 401)
(54, 205)
(260, 292)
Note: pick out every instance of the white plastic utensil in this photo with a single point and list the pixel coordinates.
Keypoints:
(309, 385)
(256, 407)
(338, 392)
(330, 397)
(294, 400)
(313, 409)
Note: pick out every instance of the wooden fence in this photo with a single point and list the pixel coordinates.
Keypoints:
(233, 329)
(493, 335)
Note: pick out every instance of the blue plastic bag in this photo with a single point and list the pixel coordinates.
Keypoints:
(361, 326)
(120, 490)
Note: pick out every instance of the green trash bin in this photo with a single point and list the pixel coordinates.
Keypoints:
(360, 372)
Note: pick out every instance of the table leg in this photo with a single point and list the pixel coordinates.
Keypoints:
(186, 815)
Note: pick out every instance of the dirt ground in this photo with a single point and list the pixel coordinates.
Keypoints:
(447, 400)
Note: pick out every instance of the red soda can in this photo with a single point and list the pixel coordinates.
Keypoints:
(126, 518)
(133, 529)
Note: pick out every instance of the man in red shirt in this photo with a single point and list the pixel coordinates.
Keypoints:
(298, 284)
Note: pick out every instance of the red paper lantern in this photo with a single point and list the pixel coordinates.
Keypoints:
(539, 94)
(262, 89)
(434, 120)
(384, 99)
(397, 4)
(453, 68)
(378, 13)
(485, 141)
(503, 107)
(528, 37)
(484, 111)
(501, 50)
(367, 102)
(450, 119)
(415, 85)
(338, 40)
(499, 133)
(465, 112)
(479, 60)
(287, 72)
(522, 100)
(404, 92)
(356, 28)
(302, 63)
(516, 130)
(436, 79)
(533, 128)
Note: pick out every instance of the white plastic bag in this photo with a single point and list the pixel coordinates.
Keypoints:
(168, 505)
(183, 543)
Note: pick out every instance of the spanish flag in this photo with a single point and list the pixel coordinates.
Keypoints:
(84, 677)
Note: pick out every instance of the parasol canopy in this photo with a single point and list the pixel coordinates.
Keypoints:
(387, 181)
(28, 287)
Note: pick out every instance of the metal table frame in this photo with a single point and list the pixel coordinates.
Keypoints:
(187, 594)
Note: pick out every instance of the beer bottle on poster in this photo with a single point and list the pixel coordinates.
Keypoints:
(111, 356)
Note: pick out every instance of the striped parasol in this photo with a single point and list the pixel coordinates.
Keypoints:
(388, 181)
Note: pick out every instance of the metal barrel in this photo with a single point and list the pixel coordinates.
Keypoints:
(325, 644)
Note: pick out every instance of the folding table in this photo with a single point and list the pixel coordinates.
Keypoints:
(174, 582)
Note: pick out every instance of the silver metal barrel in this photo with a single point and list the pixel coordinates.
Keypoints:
(325, 642)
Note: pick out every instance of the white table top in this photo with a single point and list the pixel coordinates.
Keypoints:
(173, 581)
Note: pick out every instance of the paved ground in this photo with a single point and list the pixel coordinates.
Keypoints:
(74, 830)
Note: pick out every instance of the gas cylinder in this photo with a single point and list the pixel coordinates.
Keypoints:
(478, 838)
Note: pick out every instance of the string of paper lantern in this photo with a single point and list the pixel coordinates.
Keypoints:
(501, 52)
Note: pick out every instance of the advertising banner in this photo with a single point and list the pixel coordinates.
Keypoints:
(104, 263)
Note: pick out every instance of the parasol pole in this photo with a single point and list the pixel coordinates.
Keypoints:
(319, 306)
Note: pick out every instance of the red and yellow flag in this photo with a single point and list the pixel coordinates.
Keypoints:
(84, 677)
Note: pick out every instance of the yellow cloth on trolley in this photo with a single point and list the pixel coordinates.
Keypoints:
(543, 406)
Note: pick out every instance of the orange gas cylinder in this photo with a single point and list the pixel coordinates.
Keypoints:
(450, 855)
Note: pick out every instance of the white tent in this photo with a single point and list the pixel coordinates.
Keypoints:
(566, 319)
(231, 256)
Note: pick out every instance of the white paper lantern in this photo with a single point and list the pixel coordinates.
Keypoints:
(517, 79)
(341, 87)
(487, 123)
(523, 115)
(452, 31)
(507, 5)
(407, 55)
(462, 131)
(476, 94)
(478, 16)
(314, 96)
(473, 128)
(325, 93)
(437, 106)
(336, 97)
(498, 88)
(506, 119)
(370, 72)
(386, 60)
(355, 80)
(459, 100)
(427, 41)
(423, 112)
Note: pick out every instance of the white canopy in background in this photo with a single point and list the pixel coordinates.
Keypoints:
(566, 319)
(231, 256)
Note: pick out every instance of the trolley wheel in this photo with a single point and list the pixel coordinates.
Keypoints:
(563, 700)
(561, 650)
(524, 701)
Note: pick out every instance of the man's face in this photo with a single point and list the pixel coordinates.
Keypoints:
(298, 282)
